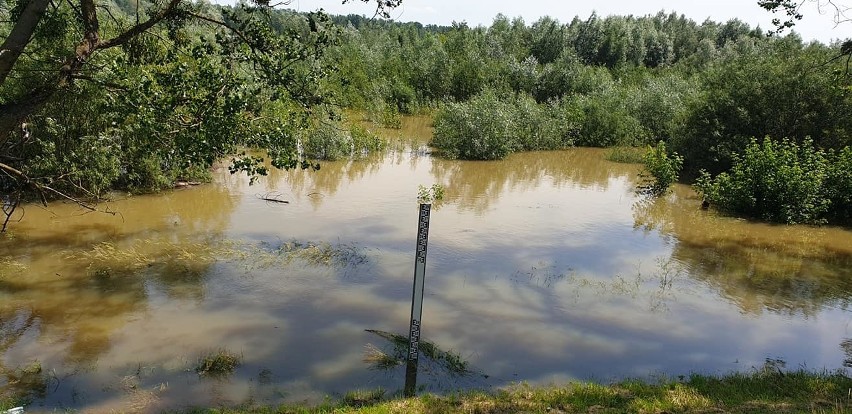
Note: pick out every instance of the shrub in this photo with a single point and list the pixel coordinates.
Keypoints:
(480, 129)
(489, 127)
(661, 169)
(607, 122)
(838, 186)
(773, 181)
(330, 141)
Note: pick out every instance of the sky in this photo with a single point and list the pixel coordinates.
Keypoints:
(814, 26)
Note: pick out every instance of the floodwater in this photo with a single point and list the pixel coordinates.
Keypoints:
(545, 267)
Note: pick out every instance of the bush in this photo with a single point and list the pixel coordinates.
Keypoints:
(329, 141)
(775, 181)
(481, 129)
(488, 127)
(838, 186)
(661, 169)
(607, 122)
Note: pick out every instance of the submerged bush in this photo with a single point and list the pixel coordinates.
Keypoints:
(330, 141)
(662, 169)
(489, 127)
(480, 129)
(605, 120)
(776, 181)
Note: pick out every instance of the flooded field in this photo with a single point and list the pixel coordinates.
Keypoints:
(544, 267)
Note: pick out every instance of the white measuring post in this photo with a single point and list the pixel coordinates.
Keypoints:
(417, 300)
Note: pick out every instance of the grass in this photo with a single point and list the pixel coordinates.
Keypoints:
(219, 363)
(22, 385)
(764, 391)
(107, 260)
(625, 155)
(379, 359)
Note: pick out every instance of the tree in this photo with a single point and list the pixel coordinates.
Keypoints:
(792, 10)
(186, 79)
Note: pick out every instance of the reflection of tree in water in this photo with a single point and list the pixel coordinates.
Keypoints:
(326, 181)
(784, 269)
(81, 277)
(475, 185)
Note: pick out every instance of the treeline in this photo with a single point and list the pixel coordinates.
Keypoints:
(210, 80)
(706, 90)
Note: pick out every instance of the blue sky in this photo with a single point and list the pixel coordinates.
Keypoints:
(815, 26)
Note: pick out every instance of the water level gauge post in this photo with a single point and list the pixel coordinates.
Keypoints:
(414, 330)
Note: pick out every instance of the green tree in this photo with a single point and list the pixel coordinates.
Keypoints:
(92, 96)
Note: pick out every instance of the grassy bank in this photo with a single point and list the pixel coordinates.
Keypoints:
(766, 391)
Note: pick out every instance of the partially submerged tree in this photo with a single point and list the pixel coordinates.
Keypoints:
(96, 92)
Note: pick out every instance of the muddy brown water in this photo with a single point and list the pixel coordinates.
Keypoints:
(545, 267)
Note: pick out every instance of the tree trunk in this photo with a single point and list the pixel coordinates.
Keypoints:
(20, 36)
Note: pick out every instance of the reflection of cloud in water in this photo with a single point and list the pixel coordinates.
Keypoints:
(539, 269)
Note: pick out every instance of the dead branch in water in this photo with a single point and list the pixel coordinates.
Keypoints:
(272, 198)
(14, 200)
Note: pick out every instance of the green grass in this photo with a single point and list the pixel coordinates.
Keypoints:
(763, 391)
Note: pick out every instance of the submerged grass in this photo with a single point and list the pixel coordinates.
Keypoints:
(626, 155)
(22, 385)
(219, 363)
(762, 391)
(107, 259)
(379, 359)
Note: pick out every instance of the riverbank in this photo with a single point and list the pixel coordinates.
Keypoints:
(769, 390)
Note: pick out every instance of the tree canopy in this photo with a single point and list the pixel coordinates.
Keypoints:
(100, 93)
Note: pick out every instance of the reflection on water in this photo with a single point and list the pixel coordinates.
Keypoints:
(542, 267)
(760, 267)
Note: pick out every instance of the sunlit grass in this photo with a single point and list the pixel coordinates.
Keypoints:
(764, 391)
(363, 398)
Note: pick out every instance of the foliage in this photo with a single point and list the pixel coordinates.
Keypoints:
(489, 127)
(157, 93)
(208, 80)
(662, 169)
(771, 89)
(481, 129)
(22, 385)
(606, 121)
(775, 181)
(330, 141)
(429, 194)
(626, 155)
(838, 185)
